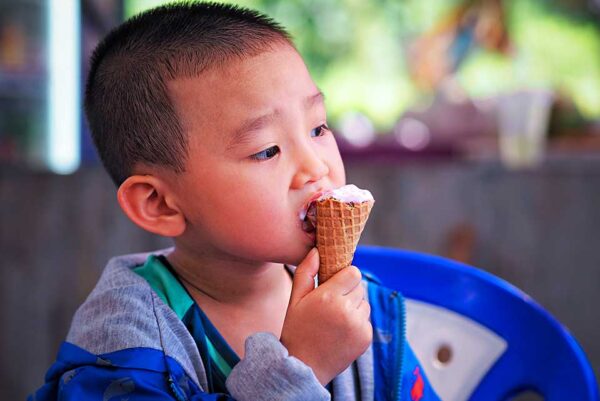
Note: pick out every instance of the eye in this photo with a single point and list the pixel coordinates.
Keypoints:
(319, 131)
(266, 154)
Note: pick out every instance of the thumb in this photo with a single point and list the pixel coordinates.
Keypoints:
(304, 277)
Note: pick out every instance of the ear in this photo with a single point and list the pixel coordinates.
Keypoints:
(149, 203)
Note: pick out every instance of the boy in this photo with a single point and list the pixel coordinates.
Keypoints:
(206, 118)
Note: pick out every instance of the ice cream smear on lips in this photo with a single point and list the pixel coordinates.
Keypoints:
(346, 194)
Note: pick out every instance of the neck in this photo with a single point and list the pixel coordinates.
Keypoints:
(228, 280)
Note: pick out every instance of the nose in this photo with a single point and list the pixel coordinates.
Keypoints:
(311, 167)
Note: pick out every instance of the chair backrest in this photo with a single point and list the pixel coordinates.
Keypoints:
(502, 343)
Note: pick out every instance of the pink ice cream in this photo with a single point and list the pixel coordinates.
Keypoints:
(348, 194)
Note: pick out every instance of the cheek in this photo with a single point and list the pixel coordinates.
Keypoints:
(250, 199)
(243, 216)
(255, 217)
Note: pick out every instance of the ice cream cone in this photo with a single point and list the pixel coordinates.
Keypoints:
(339, 226)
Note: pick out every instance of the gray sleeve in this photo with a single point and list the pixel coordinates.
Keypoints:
(268, 373)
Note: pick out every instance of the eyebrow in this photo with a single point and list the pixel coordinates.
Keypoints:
(244, 133)
(313, 100)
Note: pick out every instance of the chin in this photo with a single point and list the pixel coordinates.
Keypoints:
(298, 256)
(293, 254)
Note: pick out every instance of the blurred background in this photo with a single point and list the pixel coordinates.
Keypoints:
(475, 123)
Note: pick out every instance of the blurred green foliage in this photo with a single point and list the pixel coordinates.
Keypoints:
(356, 51)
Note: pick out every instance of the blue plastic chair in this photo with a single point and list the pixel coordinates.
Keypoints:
(540, 354)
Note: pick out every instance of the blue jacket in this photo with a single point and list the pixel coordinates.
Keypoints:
(126, 343)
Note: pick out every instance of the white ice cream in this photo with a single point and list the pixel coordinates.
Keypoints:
(347, 193)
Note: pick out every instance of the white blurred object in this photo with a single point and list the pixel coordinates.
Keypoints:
(63, 86)
(357, 129)
(412, 133)
(522, 127)
(455, 352)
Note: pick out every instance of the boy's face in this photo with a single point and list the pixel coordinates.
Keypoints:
(258, 152)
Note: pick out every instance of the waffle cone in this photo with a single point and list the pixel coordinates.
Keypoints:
(339, 226)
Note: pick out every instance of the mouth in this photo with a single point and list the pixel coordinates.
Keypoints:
(308, 226)
(308, 213)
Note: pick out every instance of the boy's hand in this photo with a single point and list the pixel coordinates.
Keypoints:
(327, 328)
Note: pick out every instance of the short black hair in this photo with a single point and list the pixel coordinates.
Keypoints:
(127, 104)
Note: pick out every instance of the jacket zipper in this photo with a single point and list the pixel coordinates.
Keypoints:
(177, 392)
(400, 335)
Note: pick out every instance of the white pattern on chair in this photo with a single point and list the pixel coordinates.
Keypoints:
(455, 351)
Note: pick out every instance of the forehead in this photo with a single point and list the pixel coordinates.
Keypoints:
(223, 98)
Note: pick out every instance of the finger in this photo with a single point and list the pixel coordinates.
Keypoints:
(345, 280)
(304, 277)
(364, 310)
(357, 295)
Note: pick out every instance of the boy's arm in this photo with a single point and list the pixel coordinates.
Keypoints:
(95, 382)
(268, 372)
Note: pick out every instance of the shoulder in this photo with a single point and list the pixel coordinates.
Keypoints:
(118, 313)
(123, 312)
